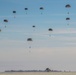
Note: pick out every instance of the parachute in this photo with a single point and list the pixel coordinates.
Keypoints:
(67, 18)
(50, 30)
(33, 26)
(68, 6)
(29, 41)
(14, 12)
(41, 8)
(6, 21)
(26, 10)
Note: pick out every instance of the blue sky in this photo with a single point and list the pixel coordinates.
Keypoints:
(55, 49)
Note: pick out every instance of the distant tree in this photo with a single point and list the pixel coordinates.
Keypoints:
(47, 70)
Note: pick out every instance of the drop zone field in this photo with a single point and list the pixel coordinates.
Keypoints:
(38, 73)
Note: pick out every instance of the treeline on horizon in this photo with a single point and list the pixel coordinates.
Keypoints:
(46, 70)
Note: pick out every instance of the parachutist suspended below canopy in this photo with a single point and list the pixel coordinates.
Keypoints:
(6, 21)
(68, 6)
(50, 31)
(14, 12)
(26, 9)
(29, 42)
(41, 8)
(33, 27)
(68, 20)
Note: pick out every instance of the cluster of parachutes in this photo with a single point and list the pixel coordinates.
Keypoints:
(41, 8)
(68, 18)
(50, 29)
(29, 39)
(14, 12)
(26, 9)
